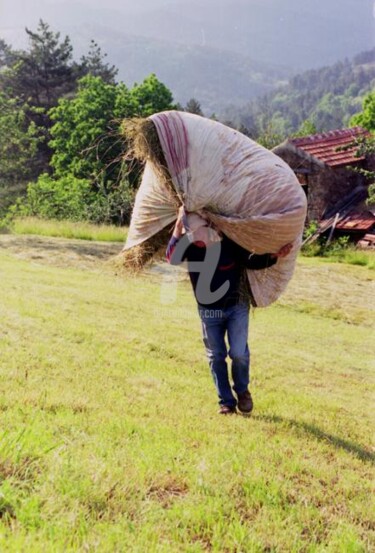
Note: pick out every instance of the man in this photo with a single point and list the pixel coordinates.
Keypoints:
(217, 273)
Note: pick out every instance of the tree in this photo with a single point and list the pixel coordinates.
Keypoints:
(366, 146)
(85, 136)
(6, 54)
(94, 64)
(366, 118)
(38, 78)
(44, 73)
(193, 106)
(151, 96)
(88, 146)
(307, 128)
(18, 144)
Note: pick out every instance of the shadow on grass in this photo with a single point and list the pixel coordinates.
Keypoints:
(337, 442)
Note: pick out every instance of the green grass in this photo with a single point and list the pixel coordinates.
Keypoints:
(347, 254)
(357, 257)
(68, 229)
(109, 437)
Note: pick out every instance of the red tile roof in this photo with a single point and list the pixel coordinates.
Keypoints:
(363, 221)
(324, 146)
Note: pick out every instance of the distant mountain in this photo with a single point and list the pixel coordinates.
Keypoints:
(327, 97)
(215, 77)
(220, 51)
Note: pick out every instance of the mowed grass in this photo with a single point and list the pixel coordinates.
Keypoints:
(68, 229)
(110, 440)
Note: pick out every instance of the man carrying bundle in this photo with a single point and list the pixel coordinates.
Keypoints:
(217, 269)
(247, 192)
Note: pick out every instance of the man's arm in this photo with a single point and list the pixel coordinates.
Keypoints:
(176, 235)
(256, 262)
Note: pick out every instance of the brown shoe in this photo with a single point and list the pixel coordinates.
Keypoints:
(245, 402)
(227, 410)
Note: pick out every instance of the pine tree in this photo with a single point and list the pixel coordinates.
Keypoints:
(44, 73)
(94, 64)
(193, 106)
(38, 77)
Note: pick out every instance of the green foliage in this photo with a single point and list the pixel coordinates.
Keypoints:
(151, 96)
(87, 143)
(113, 203)
(18, 144)
(69, 197)
(307, 128)
(310, 229)
(42, 74)
(37, 78)
(18, 141)
(85, 136)
(270, 137)
(66, 198)
(371, 195)
(328, 97)
(366, 118)
(85, 140)
(334, 110)
(339, 250)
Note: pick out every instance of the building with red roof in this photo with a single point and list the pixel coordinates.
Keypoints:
(324, 166)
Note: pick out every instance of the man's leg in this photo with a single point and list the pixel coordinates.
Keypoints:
(238, 328)
(214, 326)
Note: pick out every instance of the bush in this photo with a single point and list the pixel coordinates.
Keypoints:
(112, 204)
(65, 198)
(339, 250)
(75, 199)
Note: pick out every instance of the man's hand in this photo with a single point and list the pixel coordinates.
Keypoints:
(178, 228)
(284, 251)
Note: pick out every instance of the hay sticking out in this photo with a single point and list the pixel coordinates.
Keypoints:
(144, 144)
(135, 259)
(143, 139)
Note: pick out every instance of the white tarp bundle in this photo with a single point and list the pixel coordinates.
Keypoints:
(248, 192)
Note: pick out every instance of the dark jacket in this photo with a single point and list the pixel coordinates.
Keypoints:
(213, 267)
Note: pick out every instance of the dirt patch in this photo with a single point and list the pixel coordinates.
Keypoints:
(60, 252)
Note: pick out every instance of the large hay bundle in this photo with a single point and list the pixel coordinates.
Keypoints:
(245, 190)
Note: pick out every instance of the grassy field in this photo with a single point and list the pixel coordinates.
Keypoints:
(68, 229)
(110, 233)
(109, 435)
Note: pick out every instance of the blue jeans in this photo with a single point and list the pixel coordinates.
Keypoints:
(215, 324)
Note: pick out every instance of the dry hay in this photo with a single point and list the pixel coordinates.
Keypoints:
(135, 259)
(144, 145)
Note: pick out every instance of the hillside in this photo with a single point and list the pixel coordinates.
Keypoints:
(215, 77)
(328, 97)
